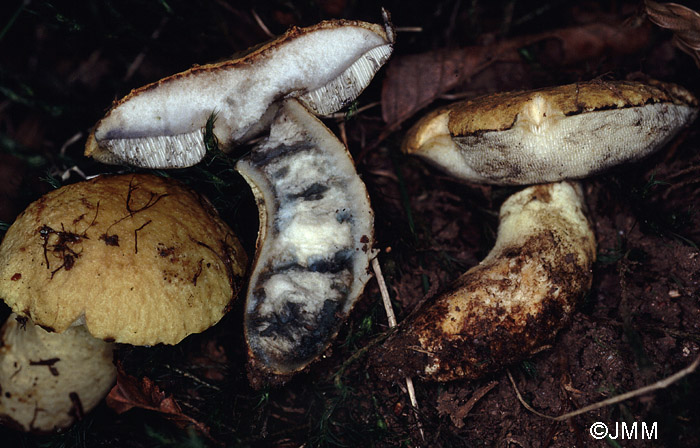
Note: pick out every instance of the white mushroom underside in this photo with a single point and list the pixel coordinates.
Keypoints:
(162, 127)
(158, 151)
(314, 243)
(558, 147)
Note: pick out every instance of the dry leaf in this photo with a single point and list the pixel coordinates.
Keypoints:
(130, 393)
(683, 21)
(412, 82)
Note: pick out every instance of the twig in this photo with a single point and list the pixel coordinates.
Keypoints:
(138, 60)
(261, 24)
(77, 136)
(343, 115)
(409, 29)
(193, 377)
(661, 384)
(392, 323)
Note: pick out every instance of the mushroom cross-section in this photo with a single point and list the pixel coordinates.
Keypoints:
(546, 135)
(162, 125)
(314, 244)
(135, 259)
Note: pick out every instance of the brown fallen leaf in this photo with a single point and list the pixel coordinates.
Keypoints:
(414, 81)
(130, 392)
(683, 21)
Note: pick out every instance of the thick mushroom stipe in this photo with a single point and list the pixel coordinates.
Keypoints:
(509, 306)
(162, 125)
(314, 244)
(552, 134)
(49, 380)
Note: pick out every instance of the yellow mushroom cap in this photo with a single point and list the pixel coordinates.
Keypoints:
(551, 134)
(137, 259)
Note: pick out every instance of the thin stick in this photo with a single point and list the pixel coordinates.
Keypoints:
(661, 384)
(392, 323)
(261, 24)
(384, 293)
(342, 115)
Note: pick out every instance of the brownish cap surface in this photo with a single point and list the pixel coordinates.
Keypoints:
(499, 112)
(138, 259)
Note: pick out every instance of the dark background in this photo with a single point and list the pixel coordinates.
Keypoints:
(63, 63)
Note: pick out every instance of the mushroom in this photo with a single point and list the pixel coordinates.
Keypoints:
(314, 245)
(511, 304)
(49, 380)
(162, 125)
(515, 301)
(565, 132)
(135, 259)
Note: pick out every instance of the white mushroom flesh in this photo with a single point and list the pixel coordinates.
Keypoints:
(163, 125)
(314, 244)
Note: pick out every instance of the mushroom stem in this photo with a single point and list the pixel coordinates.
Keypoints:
(48, 380)
(512, 304)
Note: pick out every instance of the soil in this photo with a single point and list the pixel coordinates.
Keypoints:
(62, 65)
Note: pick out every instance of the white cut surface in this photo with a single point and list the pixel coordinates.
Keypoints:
(46, 377)
(314, 244)
(327, 67)
(547, 148)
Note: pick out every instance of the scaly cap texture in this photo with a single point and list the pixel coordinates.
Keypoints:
(138, 259)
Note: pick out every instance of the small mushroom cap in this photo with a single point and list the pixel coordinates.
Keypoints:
(138, 259)
(49, 380)
(551, 134)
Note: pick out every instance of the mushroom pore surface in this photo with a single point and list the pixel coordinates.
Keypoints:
(551, 134)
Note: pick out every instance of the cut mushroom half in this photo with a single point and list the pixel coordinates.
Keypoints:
(135, 259)
(509, 306)
(547, 135)
(162, 125)
(314, 244)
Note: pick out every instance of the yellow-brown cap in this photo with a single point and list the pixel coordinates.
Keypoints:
(137, 259)
(551, 134)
